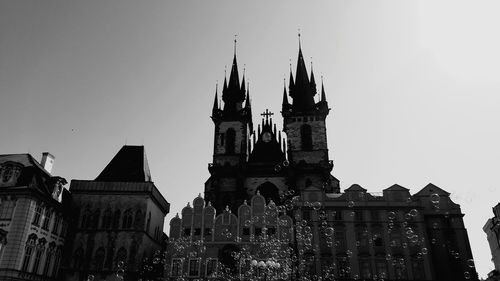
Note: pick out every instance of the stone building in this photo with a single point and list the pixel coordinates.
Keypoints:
(277, 190)
(492, 230)
(33, 218)
(118, 220)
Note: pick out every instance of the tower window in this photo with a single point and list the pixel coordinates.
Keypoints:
(306, 137)
(230, 140)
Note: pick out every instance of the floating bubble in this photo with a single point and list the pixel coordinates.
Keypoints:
(90, 277)
(413, 212)
(316, 205)
(120, 264)
(286, 163)
(329, 231)
(277, 168)
(391, 215)
(470, 263)
(467, 275)
(424, 251)
(350, 204)
(349, 253)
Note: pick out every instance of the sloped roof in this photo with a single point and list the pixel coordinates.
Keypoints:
(430, 189)
(355, 187)
(396, 187)
(129, 165)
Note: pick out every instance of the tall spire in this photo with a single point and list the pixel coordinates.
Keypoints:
(233, 95)
(313, 82)
(323, 95)
(291, 84)
(303, 90)
(285, 103)
(216, 104)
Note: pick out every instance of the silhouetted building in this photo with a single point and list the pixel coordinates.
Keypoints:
(119, 219)
(492, 230)
(33, 218)
(263, 188)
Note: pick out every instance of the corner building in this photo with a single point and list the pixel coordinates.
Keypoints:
(118, 219)
(34, 216)
(276, 189)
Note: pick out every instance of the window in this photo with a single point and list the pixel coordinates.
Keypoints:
(139, 220)
(176, 267)
(27, 257)
(343, 267)
(99, 259)
(95, 219)
(116, 219)
(258, 231)
(271, 231)
(400, 269)
(78, 259)
(340, 240)
(64, 228)
(365, 269)
(85, 219)
(46, 219)
(197, 231)
(107, 219)
(48, 261)
(57, 221)
(6, 209)
(306, 137)
(194, 267)
(38, 214)
(121, 255)
(38, 256)
(211, 268)
(246, 231)
(230, 140)
(127, 219)
(9, 173)
(362, 237)
(338, 215)
(57, 263)
(187, 231)
(381, 268)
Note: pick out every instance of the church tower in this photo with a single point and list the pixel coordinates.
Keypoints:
(232, 129)
(304, 122)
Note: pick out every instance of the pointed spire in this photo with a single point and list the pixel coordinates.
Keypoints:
(216, 104)
(291, 84)
(285, 98)
(323, 95)
(313, 82)
(302, 90)
(248, 103)
(243, 90)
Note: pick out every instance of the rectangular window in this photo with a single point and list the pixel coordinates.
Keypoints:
(197, 231)
(48, 260)
(271, 231)
(258, 231)
(340, 240)
(57, 221)
(194, 267)
(359, 215)
(6, 209)
(55, 268)
(46, 219)
(187, 231)
(381, 268)
(343, 267)
(36, 263)
(338, 215)
(246, 231)
(207, 231)
(27, 258)
(64, 228)
(365, 269)
(211, 268)
(176, 267)
(306, 215)
(38, 214)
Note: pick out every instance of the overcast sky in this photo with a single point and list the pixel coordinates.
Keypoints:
(414, 88)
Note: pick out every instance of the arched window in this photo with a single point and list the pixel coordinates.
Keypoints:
(132, 257)
(48, 258)
(38, 214)
(78, 259)
(230, 140)
(85, 219)
(28, 252)
(116, 219)
(107, 218)
(139, 220)
(270, 192)
(95, 218)
(121, 255)
(99, 259)
(306, 137)
(127, 219)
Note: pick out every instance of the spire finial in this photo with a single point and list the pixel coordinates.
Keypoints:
(298, 30)
(235, 36)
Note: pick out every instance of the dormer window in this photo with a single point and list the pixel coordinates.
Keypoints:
(9, 173)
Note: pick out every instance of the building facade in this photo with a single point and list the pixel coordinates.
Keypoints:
(118, 220)
(33, 218)
(273, 210)
(492, 230)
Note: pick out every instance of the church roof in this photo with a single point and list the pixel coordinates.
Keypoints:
(129, 165)
(267, 149)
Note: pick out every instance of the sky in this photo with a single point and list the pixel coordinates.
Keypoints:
(413, 86)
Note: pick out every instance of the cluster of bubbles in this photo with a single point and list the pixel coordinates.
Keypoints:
(120, 272)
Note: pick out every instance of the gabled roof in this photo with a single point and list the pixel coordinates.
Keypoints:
(396, 187)
(430, 189)
(354, 187)
(129, 165)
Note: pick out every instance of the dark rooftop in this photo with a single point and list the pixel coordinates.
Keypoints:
(129, 165)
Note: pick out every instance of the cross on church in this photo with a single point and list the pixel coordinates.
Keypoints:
(267, 114)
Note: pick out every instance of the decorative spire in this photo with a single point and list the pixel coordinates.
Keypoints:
(216, 104)
(291, 84)
(323, 95)
(233, 95)
(303, 90)
(247, 103)
(285, 98)
(243, 90)
(313, 82)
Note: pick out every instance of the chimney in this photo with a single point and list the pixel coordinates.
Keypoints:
(47, 161)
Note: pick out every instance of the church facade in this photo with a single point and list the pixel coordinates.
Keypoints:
(273, 210)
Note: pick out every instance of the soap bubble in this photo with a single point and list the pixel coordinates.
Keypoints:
(467, 275)
(90, 277)
(391, 215)
(413, 212)
(435, 198)
(350, 204)
(277, 168)
(470, 263)
(316, 205)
